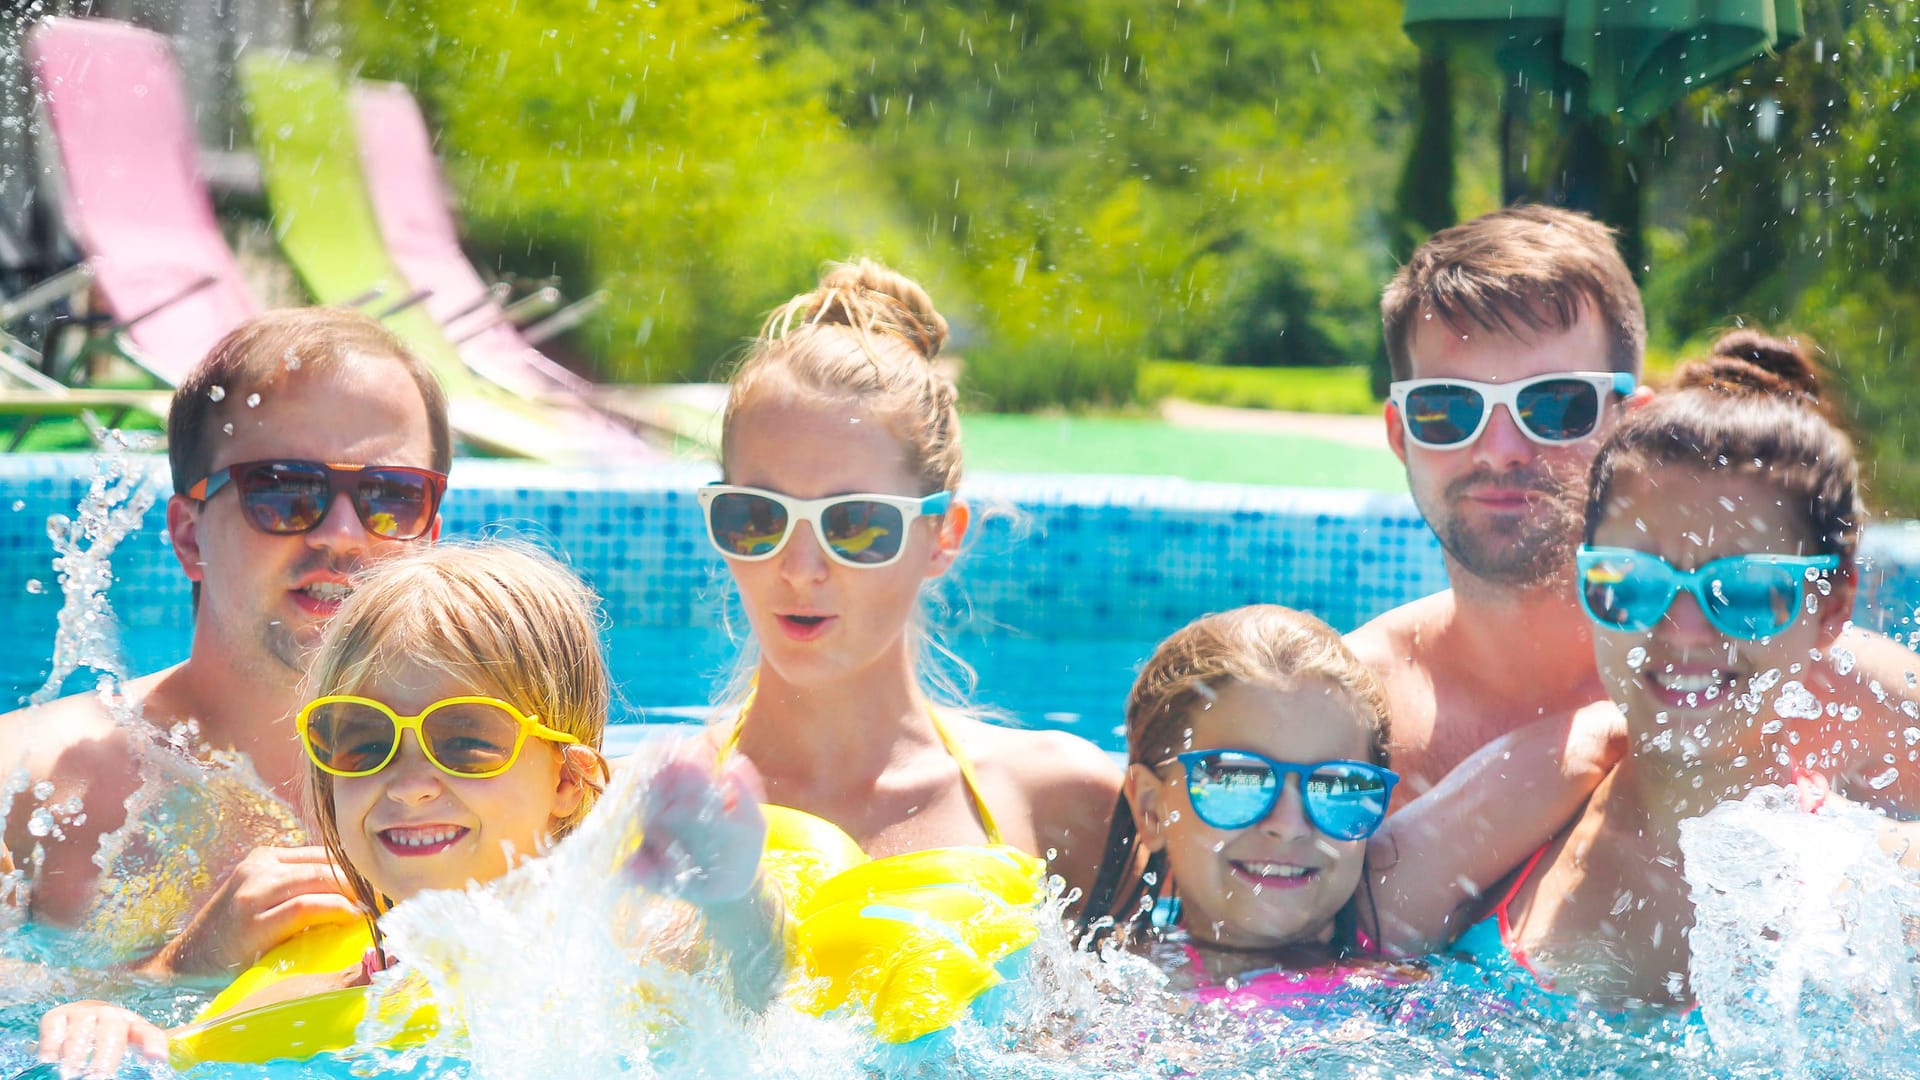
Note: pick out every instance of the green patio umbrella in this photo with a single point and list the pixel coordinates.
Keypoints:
(1630, 58)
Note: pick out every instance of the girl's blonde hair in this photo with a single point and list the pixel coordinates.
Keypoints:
(500, 618)
(1259, 645)
(865, 332)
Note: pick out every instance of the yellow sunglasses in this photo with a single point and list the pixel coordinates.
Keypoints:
(472, 737)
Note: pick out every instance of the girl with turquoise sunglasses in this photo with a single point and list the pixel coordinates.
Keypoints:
(1251, 853)
(460, 696)
(1718, 572)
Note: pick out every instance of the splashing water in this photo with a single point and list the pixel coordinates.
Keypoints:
(116, 501)
(1801, 957)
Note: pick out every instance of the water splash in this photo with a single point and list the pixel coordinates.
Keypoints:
(116, 501)
(1801, 958)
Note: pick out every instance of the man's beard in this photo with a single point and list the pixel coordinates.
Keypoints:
(1528, 551)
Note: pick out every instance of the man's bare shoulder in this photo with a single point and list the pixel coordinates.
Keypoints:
(38, 737)
(1406, 637)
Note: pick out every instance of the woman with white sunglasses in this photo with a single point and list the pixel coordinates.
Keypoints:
(841, 456)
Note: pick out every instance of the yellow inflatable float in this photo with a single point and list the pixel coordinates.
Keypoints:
(911, 939)
(306, 1026)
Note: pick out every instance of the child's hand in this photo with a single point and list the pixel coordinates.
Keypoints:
(90, 1038)
(701, 834)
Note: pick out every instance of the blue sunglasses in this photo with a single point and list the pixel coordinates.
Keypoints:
(1748, 597)
(1232, 789)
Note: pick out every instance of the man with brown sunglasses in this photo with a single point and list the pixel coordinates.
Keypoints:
(307, 443)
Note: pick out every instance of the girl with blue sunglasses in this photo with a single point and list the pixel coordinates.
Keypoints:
(1718, 573)
(1251, 850)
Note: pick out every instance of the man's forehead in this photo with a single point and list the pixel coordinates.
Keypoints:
(357, 409)
(1462, 346)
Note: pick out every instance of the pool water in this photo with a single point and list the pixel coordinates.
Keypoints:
(1054, 619)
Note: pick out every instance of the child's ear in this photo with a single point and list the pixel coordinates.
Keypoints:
(582, 769)
(1836, 607)
(1145, 797)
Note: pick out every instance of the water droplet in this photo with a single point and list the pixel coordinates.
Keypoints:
(1843, 660)
(1796, 700)
(217, 393)
(1636, 656)
(36, 586)
(227, 428)
(1884, 780)
(253, 401)
(43, 790)
(19, 505)
(40, 822)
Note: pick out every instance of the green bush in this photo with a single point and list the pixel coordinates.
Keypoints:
(1312, 389)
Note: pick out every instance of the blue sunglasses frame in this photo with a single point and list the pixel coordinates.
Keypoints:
(1316, 812)
(1703, 583)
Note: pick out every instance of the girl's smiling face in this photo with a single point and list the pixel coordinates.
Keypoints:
(1684, 685)
(818, 621)
(411, 826)
(1279, 881)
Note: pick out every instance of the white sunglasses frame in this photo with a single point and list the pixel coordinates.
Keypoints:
(1621, 383)
(911, 507)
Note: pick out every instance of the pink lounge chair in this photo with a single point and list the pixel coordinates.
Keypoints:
(131, 193)
(410, 201)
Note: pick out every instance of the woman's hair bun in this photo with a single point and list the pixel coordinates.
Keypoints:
(870, 297)
(1747, 362)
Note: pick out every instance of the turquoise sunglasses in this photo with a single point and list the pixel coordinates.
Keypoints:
(1747, 597)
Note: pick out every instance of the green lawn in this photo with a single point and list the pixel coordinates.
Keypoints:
(1073, 444)
(1292, 389)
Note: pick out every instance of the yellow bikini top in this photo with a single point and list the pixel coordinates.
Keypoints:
(967, 778)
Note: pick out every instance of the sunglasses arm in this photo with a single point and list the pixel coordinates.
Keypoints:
(1432, 862)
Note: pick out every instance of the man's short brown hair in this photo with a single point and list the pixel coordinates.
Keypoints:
(263, 350)
(1521, 269)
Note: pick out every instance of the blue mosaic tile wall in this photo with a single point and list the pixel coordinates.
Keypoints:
(1054, 560)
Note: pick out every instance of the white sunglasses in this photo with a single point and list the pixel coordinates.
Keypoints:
(1556, 408)
(863, 531)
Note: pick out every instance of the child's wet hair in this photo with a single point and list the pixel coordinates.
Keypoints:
(500, 618)
(1753, 407)
(1259, 645)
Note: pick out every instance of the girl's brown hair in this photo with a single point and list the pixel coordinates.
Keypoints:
(1263, 645)
(865, 332)
(499, 617)
(1754, 407)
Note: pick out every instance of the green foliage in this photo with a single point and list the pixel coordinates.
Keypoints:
(653, 146)
(1313, 389)
(1813, 230)
(1079, 185)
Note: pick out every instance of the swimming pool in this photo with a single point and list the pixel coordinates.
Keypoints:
(1067, 585)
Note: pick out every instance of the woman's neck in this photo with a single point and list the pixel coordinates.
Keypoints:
(847, 729)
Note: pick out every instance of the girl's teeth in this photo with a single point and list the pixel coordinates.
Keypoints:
(1692, 684)
(422, 837)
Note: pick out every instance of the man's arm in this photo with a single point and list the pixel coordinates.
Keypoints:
(1430, 863)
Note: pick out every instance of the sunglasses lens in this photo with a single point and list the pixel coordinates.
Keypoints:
(745, 525)
(471, 738)
(1752, 600)
(864, 532)
(1560, 410)
(1231, 791)
(1347, 799)
(284, 497)
(348, 737)
(1623, 593)
(1444, 415)
(394, 503)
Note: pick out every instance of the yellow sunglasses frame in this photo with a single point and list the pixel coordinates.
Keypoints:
(529, 725)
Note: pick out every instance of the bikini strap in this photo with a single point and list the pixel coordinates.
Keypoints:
(987, 824)
(966, 776)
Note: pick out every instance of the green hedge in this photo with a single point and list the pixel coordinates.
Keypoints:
(1318, 390)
